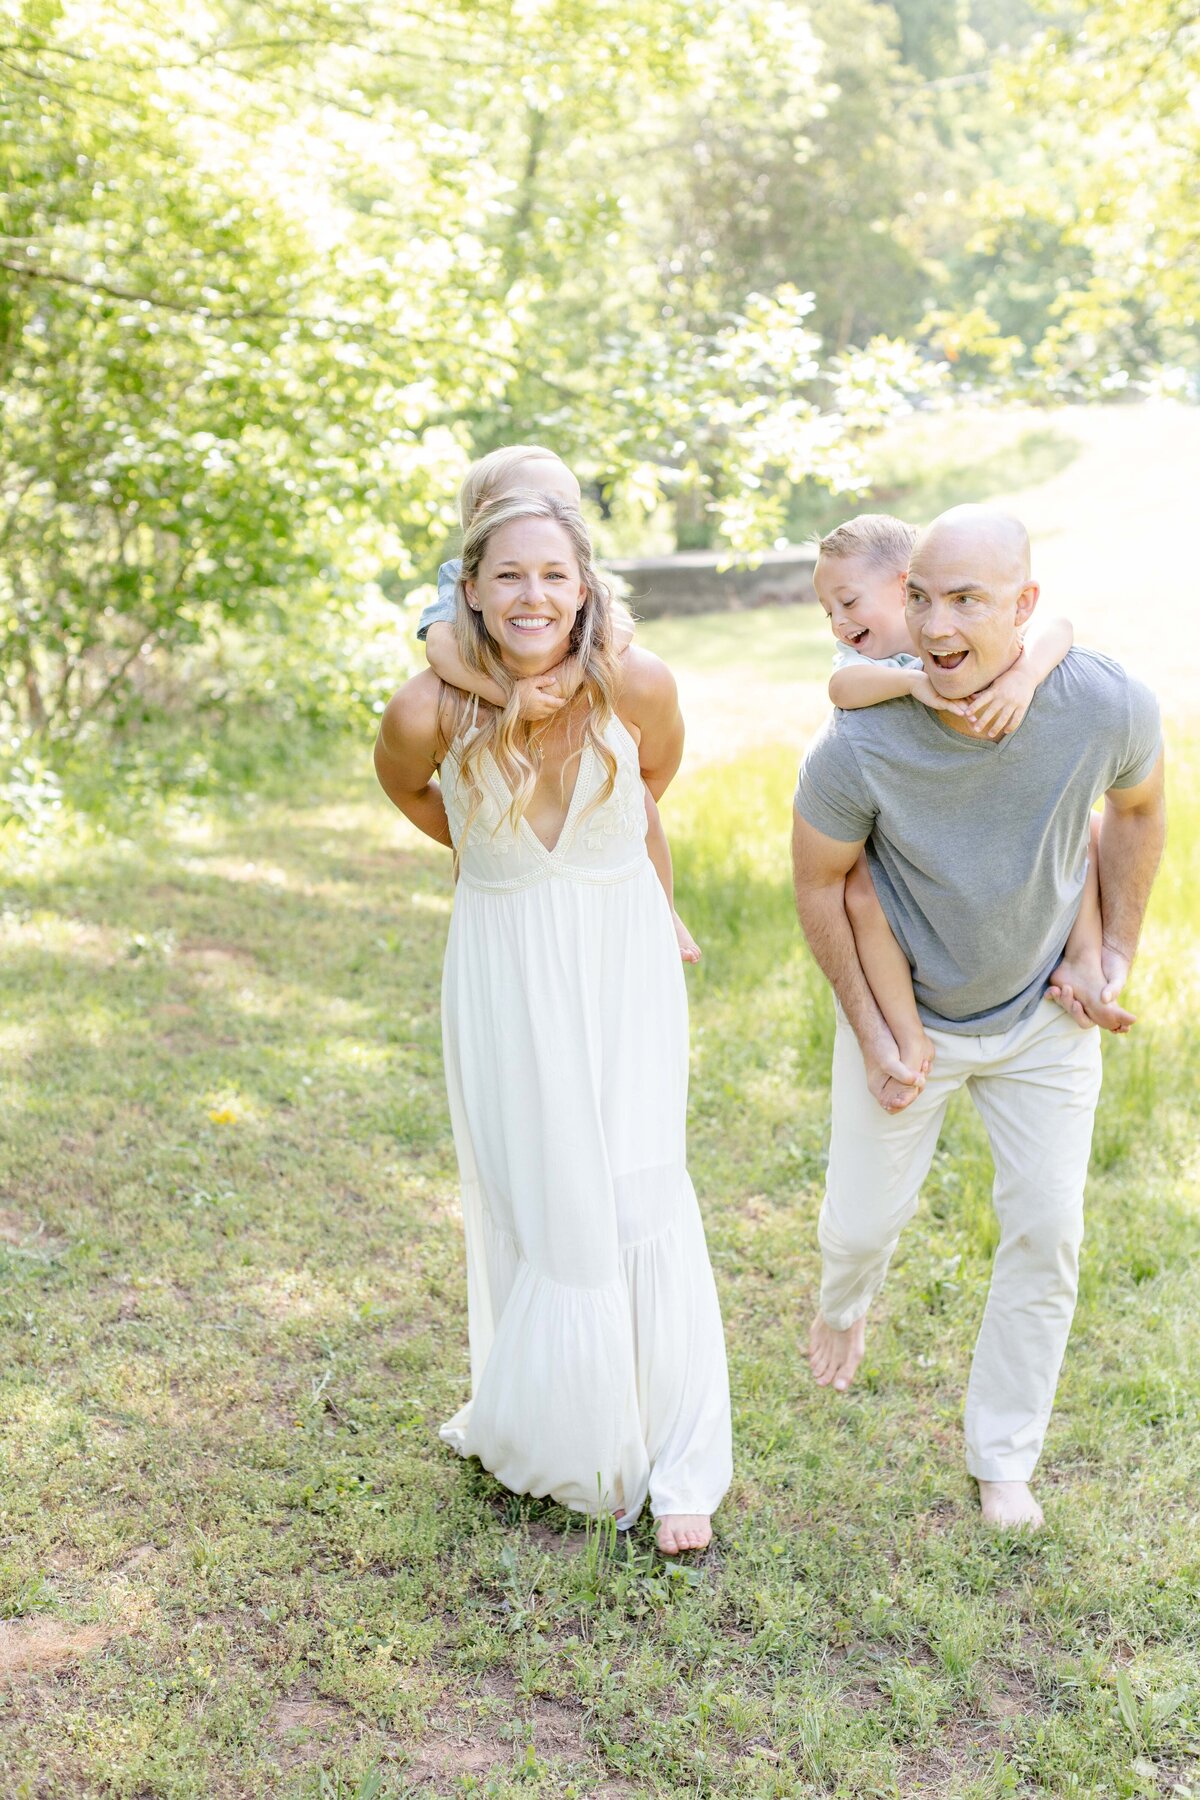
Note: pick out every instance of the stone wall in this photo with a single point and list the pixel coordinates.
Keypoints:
(694, 582)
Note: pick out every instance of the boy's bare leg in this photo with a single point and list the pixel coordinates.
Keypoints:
(888, 975)
(659, 852)
(1078, 982)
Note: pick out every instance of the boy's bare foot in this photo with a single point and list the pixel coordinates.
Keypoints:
(1080, 988)
(1010, 1503)
(893, 1081)
(833, 1356)
(689, 949)
(684, 1531)
(917, 1050)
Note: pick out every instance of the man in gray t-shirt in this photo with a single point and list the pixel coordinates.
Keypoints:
(978, 852)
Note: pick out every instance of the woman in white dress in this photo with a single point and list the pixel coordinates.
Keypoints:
(597, 1356)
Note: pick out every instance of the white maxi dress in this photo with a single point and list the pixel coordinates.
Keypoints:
(598, 1370)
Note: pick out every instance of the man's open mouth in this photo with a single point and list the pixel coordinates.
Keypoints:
(948, 659)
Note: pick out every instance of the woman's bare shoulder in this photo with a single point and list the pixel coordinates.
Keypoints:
(647, 684)
(410, 718)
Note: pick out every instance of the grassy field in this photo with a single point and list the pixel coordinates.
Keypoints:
(234, 1558)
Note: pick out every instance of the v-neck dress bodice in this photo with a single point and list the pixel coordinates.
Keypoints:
(597, 1357)
(602, 842)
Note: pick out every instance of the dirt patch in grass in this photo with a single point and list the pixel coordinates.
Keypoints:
(491, 1727)
(27, 1234)
(44, 1646)
(304, 1729)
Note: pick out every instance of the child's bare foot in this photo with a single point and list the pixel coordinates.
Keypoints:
(683, 1531)
(917, 1050)
(1009, 1503)
(1079, 987)
(689, 949)
(833, 1356)
(892, 1080)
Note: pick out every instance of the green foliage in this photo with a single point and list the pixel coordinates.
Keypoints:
(268, 277)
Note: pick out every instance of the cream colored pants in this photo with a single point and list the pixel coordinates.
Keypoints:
(1035, 1088)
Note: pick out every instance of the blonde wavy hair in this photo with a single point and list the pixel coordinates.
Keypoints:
(473, 727)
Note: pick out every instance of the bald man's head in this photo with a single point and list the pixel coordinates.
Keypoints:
(969, 593)
(983, 533)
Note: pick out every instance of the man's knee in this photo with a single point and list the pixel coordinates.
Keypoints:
(861, 1234)
(1045, 1239)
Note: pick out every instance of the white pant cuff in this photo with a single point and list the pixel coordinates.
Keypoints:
(1017, 1468)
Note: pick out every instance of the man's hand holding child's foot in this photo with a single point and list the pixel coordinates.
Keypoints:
(917, 1051)
(893, 1080)
(689, 949)
(1009, 1504)
(683, 1531)
(833, 1356)
(1083, 989)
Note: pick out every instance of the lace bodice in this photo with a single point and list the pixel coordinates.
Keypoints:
(607, 843)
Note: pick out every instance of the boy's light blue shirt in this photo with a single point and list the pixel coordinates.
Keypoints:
(441, 611)
(846, 658)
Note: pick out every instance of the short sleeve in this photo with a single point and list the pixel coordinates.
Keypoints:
(830, 792)
(1144, 737)
(846, 658)
(441, 611)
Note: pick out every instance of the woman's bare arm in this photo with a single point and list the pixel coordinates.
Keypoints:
(407, 754)
(649, 704)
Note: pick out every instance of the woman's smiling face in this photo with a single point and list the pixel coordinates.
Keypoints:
(528, 590)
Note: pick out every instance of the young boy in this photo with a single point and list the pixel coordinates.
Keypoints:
(529, 468)
(860, 582)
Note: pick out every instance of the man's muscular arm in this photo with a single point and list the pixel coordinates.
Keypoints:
(1133, 829)
(820, 865)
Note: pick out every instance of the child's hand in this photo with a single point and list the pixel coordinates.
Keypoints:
(538, 696)
(924, 691)
(996, 711)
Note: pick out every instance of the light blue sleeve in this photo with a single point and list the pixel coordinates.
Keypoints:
(846, 658)
(441, 611)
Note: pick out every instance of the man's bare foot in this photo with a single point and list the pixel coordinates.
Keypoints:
(1081, 989)
(1010, 1503)
(893, 1081)
(689, 949)
(833, 1356)
(684, 1531)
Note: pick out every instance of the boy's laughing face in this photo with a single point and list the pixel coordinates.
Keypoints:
(864, 604)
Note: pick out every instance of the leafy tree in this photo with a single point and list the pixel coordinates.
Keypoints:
(269, 274)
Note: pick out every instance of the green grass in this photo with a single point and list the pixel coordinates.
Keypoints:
(236, 1561)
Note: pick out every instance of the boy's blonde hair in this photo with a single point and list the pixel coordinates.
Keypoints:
(485, 477)
(885, 540)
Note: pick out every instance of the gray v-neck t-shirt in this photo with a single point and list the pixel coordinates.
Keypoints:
(978, 850)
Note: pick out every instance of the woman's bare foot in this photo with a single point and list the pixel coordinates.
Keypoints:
(833, 1356)
(689, 949)
(1010, 1504)
(1079, 988)
(684, 1531)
